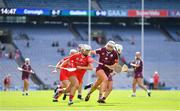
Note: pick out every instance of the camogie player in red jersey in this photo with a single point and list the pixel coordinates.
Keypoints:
(108, 57)
(80, 49)
(63, 77)
(82, 61)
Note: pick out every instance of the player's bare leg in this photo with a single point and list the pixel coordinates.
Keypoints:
(102, 78)
(103, 88)
(74, 84)
(5, 87)
(100, 93)
(65, 84)
(57, 94)
(140, 83)
(25, 87)
(93, 88)
(80, 92)
(134, 87)
(108, 90)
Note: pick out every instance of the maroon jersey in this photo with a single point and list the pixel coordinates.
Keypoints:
(138, 70)
(25, 75)
(7, 80)
(106, 57)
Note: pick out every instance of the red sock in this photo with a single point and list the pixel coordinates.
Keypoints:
(71, 97)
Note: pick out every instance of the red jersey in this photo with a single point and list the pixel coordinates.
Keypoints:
(156, 78)
(80, 60)
(63, 72)
(61, 61)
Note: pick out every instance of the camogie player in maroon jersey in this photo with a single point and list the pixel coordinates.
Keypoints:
(137, 64)
(118, 48)
(25, 75)
(108, 57)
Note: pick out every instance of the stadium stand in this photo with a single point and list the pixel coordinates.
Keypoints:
(96, 4)
(174, 32)
(134, 4)
(55, 4)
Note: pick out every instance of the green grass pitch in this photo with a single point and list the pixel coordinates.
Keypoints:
(118, 100)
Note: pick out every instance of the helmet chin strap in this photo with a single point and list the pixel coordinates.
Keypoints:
(84, 54)
(109, 50)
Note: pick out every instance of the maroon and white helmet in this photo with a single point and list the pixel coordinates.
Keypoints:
(119, 48)
(110, 43)
(27, 60)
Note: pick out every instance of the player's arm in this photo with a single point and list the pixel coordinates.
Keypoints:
(65, 62)
(135, 65)
(59, 63)
(89, 67)
(111, 66)
(95, 52)
(31, 71)
(114, 65)
(57, 66)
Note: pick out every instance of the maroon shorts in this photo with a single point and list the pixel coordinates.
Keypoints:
(6, 82)
(138, 75)
(25, 77)
(107, 72)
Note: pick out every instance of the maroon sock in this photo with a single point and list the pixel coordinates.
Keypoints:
(104, 98)
(71, 97)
